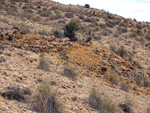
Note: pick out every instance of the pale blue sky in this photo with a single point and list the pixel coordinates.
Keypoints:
(138, 9)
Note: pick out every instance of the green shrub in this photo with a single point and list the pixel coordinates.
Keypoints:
(46, 99)
(70, 29)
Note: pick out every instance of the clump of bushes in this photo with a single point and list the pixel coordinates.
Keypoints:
(70, 28)
(101, 103)
(46, 99)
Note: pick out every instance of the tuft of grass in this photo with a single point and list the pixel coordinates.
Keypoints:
(95, 99)
(104, 105)
(69, 72)
(113, 80)
(43, 63)
(46, 99)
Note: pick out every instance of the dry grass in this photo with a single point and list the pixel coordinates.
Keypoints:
(46, 99)
(113, 79)
(70, 72)
(101, 102)
(44, 63)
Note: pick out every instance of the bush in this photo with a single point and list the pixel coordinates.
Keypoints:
(104, 105)
(70, 29)
(46, 100)
(43, 63)
(122, 51)
(87, 6)
(69, 72)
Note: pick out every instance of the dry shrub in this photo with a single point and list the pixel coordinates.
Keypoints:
(44, 63)
(46, 100)
(70, 72)
(113, 79)
(101, 103)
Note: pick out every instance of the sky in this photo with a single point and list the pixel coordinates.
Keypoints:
(135, 9)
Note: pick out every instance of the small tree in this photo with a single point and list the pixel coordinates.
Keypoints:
(70, 29)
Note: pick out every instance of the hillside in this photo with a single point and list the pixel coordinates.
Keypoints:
(104, 67)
